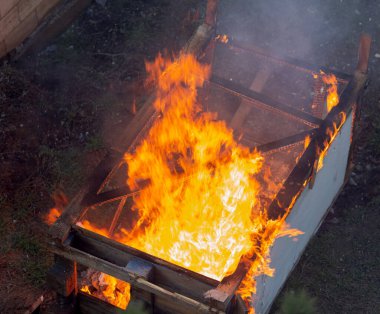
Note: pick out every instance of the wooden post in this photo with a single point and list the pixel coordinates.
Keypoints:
(62, 278)
(210, 18)
(361, 77)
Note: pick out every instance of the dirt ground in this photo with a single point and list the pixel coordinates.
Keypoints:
(60, 109)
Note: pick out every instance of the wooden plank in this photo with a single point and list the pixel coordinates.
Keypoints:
(45, 7)
(140, 268)
(21, 31)
(6, 6)
(116, 216)
(245, 106)
(25, 7)
(62, 277)
(363, 53)
(240, 307)
(212, 6)
(9, 22)
(61, 228)
(122, 274)
(222, 295)
(262, 101)
(301, 66)
(199, 40)
(35, 307)
(89, 304)
(165, 273)
(286, 141)
(59, 19)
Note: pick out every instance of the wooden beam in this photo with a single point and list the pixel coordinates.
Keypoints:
(62, 276)
(245, 106)
(140, 268)
(121, 273)
(57, 21)
(300, 65)
(260, 100)
(222, 295)
(363, 53)
(165, 273)
(211, 9)
(61, 228)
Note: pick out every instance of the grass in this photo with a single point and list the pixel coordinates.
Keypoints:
(33, 262)
(297, 302)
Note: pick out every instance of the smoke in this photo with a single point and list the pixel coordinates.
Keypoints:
(317, 31)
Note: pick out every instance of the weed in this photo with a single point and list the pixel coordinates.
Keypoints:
(298, 302)
(35, 271)
(28, 244)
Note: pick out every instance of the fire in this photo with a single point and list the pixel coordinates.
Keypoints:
(198, 206)
(332, 133)
(52, 216)
(222, 38)
(307, 141)
(60, 201)
(201, 209)
(87, 225)
(332, 90)
(107, 288)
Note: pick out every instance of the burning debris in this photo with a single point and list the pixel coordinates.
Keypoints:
(332, 90)
(106, 288)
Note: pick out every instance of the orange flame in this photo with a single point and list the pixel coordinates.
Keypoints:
(107, 288)
(202, 208)
(307, 141)
(332, 90)
(274, 229)
(52, 216)
(199, 204)
(87, 225)
(331, 136)
(60, 201)
(222, 38)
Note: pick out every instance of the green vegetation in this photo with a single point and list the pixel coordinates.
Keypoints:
(298, 302)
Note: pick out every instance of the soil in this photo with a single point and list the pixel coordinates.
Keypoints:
(61, 108)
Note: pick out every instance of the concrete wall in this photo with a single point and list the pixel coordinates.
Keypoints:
(19, 18)
(306, 215)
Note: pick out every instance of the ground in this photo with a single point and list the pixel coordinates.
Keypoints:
(61, 108)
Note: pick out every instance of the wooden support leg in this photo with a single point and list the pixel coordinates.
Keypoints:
(211, 9)
(62, 278)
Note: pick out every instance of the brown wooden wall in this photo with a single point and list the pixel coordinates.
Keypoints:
(19, 18)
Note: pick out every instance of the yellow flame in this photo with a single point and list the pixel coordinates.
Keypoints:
(202, 208)
(332, 90)
(307, 141)
(222, 38)
(331, 133)
(107, 288)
